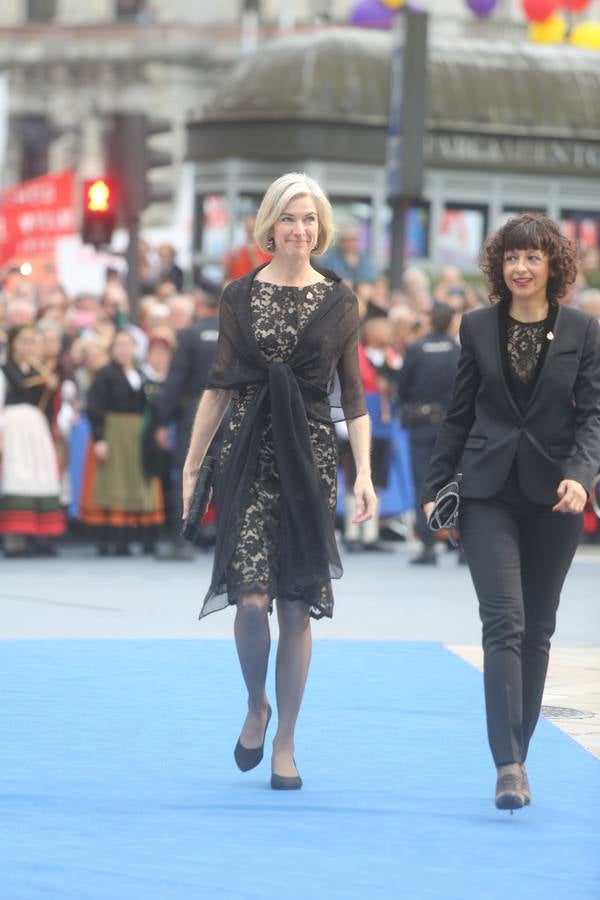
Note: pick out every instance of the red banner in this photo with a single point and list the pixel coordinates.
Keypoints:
(34, 214)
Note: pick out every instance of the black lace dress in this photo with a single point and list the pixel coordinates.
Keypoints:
(279, 351)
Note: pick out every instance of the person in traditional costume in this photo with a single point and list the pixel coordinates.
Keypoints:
(287, 363)
(30, 511)
(118, 498)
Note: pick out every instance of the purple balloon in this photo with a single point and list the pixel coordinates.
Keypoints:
(481, 7)
(372, 14)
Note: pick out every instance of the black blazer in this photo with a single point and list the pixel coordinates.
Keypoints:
(188, 372)
(428, 371)
(558, 434)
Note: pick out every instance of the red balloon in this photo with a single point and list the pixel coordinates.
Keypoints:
(540, 10)
(575, 5)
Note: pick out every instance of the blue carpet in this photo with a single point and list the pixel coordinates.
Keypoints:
(117, 782)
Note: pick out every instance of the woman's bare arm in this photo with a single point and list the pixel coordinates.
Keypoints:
(359, 433)
(209, 416)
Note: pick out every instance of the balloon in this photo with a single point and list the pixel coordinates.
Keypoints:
(371, 14)
(481, 7)
(410, 4)
(552, 31)
(575, 5)
(539, 10)
(586, 34)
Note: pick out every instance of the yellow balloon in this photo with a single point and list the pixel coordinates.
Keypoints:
(586, 34)
(393, 4)
(550, 31)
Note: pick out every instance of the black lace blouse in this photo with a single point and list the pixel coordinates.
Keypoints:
(524, 346)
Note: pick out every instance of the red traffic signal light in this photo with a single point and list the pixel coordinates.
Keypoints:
(98, 196)
(99, 211)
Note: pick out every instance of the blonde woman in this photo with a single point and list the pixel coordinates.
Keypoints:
(288, 336)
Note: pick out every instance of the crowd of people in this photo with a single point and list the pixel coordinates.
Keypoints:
(96, 409)
(81, 444)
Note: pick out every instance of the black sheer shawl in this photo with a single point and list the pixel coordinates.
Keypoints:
(303, 387)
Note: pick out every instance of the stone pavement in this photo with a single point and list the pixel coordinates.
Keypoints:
(572, 695)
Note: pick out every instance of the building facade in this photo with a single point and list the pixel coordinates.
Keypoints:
(71, 65)
(509, 126)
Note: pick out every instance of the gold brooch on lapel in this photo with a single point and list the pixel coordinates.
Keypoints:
(550, 336)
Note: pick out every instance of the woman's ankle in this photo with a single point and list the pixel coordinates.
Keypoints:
(284, 744)
(509, 769)
(258, 707)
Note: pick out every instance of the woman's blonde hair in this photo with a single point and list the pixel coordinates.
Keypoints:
(281, 192)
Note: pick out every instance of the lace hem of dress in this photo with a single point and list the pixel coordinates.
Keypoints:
(229, 596)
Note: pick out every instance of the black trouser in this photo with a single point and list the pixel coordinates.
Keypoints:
(422, 442)
(519, 554)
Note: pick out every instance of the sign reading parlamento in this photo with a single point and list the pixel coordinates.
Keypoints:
(549, 155)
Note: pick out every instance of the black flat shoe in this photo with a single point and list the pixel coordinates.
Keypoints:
(286, 782)
(247, 759)
(425, 558)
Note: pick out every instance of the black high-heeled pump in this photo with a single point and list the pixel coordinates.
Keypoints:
(247, 758)
(286, 782)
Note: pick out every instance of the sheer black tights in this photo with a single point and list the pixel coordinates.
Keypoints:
(294, 650)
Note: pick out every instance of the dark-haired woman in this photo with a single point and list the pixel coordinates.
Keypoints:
(30, 511)
(523, 427)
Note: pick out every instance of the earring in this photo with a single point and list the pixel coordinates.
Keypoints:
(271, 243)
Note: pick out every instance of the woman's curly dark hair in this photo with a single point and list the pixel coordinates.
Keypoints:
(530, 231)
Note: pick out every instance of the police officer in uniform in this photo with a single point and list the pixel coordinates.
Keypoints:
(179, 399)
(424, 390)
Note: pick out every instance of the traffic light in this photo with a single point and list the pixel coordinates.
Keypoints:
(131, 158)
(99, 211)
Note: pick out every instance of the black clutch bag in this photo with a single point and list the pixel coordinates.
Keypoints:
(444, 514)
(200, 500)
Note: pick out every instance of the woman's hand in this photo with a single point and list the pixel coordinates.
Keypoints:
(188, 485)
(101, 451)
(453, 532)
(161, 438)
(209, 415)
(572, 497)
(52, 381)
(364, 498)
